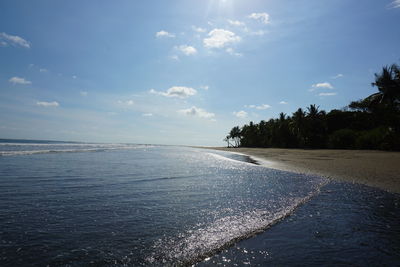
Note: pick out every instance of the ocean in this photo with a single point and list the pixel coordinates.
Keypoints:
(81, 204)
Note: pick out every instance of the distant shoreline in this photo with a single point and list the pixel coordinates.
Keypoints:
(373, 168)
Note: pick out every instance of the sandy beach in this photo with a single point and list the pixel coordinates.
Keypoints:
(374, 168)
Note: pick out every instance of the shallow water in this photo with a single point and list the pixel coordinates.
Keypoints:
(155, 205)
(344, 225)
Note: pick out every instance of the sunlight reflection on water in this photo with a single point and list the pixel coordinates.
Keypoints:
(156, 206)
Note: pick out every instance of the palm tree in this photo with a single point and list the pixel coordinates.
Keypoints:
(284, 135)
(313, 111)
(235, 135)
(282, 117)
(388, 83)
(226, 139)
(298, 126)
(315, 127)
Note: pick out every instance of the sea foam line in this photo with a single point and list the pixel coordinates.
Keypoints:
(79, 150)
(232, 160)
(196, 245)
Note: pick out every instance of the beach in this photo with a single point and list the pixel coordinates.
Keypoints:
(379, 169)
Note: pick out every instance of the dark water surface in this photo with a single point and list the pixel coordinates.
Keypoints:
(69, 204)
(344, 225)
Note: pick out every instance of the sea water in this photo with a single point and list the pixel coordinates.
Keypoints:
(79, 204)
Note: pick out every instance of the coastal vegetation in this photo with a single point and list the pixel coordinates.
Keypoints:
(369, 123)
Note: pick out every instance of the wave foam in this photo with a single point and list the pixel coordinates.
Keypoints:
(92, 148)
(195, 245)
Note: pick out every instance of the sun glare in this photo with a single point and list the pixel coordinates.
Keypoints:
(221, 6)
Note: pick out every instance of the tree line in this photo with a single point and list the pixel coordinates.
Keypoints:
(369, 123)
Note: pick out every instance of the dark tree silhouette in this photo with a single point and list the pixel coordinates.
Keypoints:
(298, 126)
(235, 135)
(370, 123)
(388, 83)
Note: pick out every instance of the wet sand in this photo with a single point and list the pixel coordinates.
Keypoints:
(374, 168)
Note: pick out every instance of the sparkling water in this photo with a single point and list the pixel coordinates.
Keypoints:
(78, 204)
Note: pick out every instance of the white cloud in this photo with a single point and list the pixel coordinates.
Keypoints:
(240, 114)
(187, 50)
(263, 17)
(205, 87)
(198, 29)
(324, 85)
(260, 107)
(127, 102)
(395, 4)
(263, 106)
(219, 38)
(47, 104)
(14, 40)
(283, 103)
(198, 112)
(258, 33)
(84, 93)
(339, 75)
(163, 33)
(176, 91)
(232, 52)
(236, 22)
(327, 94)
(18, 80)
(43, 70)
(147, 114)
(174, 57)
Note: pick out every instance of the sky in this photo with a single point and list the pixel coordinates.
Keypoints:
(183, 72)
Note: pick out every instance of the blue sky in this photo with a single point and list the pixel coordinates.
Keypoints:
(183, 71)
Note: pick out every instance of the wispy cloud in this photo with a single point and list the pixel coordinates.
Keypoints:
(324, 85)
(197, 112)
(219, 38)
(162, 34)
(174, 57)
(283, 103)
(327, 94)
(260, 107)
(258, 33)
(176, 91)
(240, 114)
(83, 93)
(236, 22)
(198, 29)
(43, 70)
(18, 80)
(262, 17)
(187, 50)
(47, 104)
(147, 114)
(126, 102)
(395, 4)
(13, 40)
(232, 52)
(338, 75)
(205, 87)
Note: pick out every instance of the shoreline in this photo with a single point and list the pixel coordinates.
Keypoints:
(379, 169)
